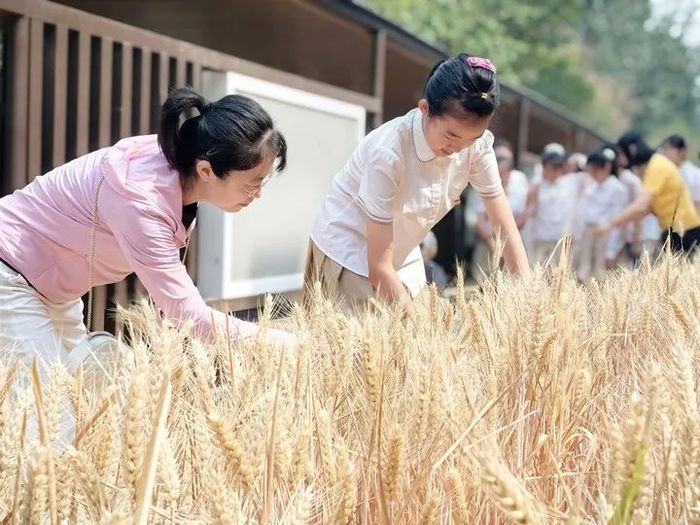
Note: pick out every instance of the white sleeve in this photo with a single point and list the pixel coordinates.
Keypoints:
(632, 183)
(616, 238)
(694, 187)
(518, 197)
(379, 184)
(483, 173)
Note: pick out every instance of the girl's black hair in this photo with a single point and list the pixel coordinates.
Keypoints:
(461, 90)
(603, 157)
(233, 133)
(635, 149)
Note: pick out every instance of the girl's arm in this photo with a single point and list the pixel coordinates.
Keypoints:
(501, 217)
(382, 275)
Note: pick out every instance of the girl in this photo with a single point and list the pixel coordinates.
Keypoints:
(551, 205)
(402, 179)
(664, 193)
(129, 208)
(603, 197)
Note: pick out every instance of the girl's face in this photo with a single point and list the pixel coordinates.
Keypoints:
(552, 172)
(599, 173)
(447, 135)
(238, 189)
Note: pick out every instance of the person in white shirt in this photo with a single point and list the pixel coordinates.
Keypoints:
(434, 273)
(401, 180)
(642, 235)
(515, 184)
(603, 197)
(577, 162)
(676, 149)
(552, 147)
(552, 206)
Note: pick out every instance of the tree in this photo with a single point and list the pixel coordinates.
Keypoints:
(604, 59)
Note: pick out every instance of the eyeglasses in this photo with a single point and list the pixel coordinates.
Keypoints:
(255, 188)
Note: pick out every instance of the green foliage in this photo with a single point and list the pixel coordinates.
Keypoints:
(602, 59)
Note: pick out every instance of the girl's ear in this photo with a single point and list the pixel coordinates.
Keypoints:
(423, 106)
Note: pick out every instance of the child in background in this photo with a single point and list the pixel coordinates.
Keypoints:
(664, 193)
(603, 197)
(515, 185)
(434, 273)
(641, 235)
(551, 205)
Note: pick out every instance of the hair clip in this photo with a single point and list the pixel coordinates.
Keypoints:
(483, 63)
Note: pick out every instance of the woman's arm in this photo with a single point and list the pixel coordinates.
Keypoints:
(636, 210)
(148, 242)
(501, 217)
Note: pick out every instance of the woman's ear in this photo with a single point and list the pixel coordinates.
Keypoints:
(204, 171)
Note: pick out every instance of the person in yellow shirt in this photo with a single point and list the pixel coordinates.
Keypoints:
(664, 194)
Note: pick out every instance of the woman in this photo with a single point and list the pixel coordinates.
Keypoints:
(665, 195)
(402, 179)
(124, 209)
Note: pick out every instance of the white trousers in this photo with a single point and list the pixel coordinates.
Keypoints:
(590, 257)
(32, 328)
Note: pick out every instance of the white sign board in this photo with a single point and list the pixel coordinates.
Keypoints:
(262, 249)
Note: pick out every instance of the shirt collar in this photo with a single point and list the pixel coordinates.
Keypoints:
(423, 151)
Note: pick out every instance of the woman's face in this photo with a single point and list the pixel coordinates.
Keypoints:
(447, 135)
(238, 189)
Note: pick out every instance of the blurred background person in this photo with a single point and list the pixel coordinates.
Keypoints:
(551, 205)
(602, 198)
(676, 149)
(640, 235)
(515, 184)
(434, 273)
(664, 194)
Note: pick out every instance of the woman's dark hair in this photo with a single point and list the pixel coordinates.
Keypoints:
(233, 133)
(604, 156)
(635, 149)
(457, 88)
(676, 142)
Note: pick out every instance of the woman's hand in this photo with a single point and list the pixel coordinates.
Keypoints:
(276, 337)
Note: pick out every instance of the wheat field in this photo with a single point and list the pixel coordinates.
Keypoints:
(532, 401)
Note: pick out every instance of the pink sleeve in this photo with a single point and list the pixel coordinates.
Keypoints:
(147, 239)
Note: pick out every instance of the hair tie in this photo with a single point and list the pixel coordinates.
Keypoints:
(483, 63)
(485, 95)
